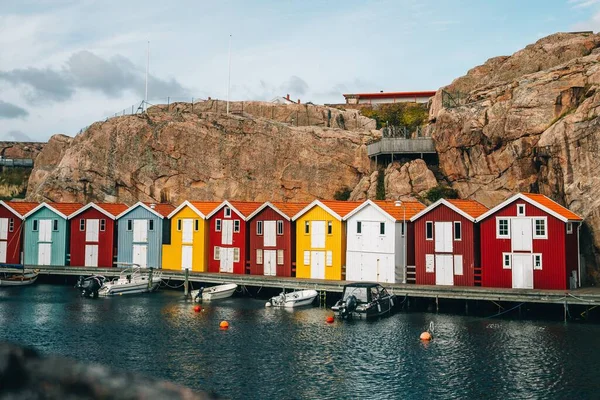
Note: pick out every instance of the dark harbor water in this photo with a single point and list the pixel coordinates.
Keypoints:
(274, 353)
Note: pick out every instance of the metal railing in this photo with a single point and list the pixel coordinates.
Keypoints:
(16, 162)
(401, 146)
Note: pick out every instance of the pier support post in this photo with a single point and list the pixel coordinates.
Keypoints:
(150, 280)
(466, 307)
(437, 304)
(186, 283)
(565, 310)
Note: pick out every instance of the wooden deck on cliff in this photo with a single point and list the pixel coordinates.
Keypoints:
(583, 296)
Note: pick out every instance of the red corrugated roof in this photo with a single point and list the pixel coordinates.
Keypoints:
(341, 208)
(427, 93)
(289, 209)
(113, 209)
(205, 207)
(66, 208)
(471, 207)
(246, 207)
(163, 209)
(554, 206)
(412, 208)
(22, 207)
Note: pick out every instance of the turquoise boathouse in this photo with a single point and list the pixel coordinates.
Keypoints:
(46, 234)
(140, 234)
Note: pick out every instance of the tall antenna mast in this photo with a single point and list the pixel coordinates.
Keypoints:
(147, 72)
(229, 75)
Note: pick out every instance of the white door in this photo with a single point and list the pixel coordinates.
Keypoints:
(2, 252)
(270, 262)
(444, 271)
(317, 264)
(317, 234)
(140, 254)
(188, 231)
(226, 259)
(186, 257)
(443, 237)
(44, 253)
(522, 234)
(91, 230)
(140, 230)
(91, 255)
(522, 271)
(227, 232)
(270, 234)
(45, 233)
(3, 228)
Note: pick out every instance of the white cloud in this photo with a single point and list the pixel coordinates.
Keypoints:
(583, 3)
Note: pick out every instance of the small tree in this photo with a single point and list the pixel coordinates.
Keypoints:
(342, 194)
(441, 192)
(380, 192)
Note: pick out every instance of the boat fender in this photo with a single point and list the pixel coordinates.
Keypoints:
(378, 307)
(391, 302)
(268, 304)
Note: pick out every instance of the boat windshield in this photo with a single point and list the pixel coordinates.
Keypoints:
(359, 292)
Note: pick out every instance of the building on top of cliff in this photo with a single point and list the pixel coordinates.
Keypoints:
(389, 97)
(284, 100)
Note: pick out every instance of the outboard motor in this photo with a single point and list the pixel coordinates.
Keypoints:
(89, 286)
(348, 308)
(199, 295)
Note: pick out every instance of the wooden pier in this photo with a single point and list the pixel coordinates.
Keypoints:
(583, 297)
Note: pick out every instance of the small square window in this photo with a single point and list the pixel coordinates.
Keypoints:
(457, 230)
(129, 225)
(151, 225)
(569, 228)
(259, 256)
(55, 225)
(259, 228)
(502, 228)
(279, 257)
(537, 261)
(236, 225)
(520, 209)
(236, 254)
(429, 230)
(539, 228)
(506, 261)
(11, 224)
(358, 227)
(82, 225)
(382, 228)
(280, 227)
(35, 225)
(306, 227)
(179, 224)
(102, 225)
(227, 212)
(196, 224)
(218, 225)
(217, 253)
(329, 227)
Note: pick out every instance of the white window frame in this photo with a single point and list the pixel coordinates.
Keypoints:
(151, 225)
(259, 256)
(280, 227)
(227, 212)
(11, 224)
(382, 225)
(535, 257)
(102, 225)
(306, 257)
(306, 227)
(236, 254)
(179, 224)
(520, 210)
(454, 231)
(402, 228)
(329, 228)
(428, 223)
(280, 258)
(217, 253)
(259, 228)
(458, 267)
(498, 234)
(569, 228)
(535, 235)
(217, 225)
(54, 225)
(359, 227)
(504, 264)
(329, 258)
(236, 226)
(82, 225)
(429, 263)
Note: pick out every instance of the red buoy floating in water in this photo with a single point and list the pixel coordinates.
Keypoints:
(197, 308)
(330, 319)
(224, 325)
(426, 336)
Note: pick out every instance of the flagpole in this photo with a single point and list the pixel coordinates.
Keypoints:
(229, 75)
(147, 72)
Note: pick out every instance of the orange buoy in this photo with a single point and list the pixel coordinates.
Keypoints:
(330, 320)
(426, 336)
(224, 325)
(197, 309)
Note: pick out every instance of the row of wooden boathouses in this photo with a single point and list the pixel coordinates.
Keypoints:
(528, 241)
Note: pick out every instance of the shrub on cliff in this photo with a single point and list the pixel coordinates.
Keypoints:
(441, 192)
(410, 115)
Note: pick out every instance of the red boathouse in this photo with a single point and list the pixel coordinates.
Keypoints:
(530, 242)
(447, 243)
(93, 235)
(227, 240)
(272, 239)
(11, 232)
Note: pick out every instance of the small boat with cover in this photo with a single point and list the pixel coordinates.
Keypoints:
(18, 275)
(214, 292)
(132, 281)
(364, 299)
(293, 299)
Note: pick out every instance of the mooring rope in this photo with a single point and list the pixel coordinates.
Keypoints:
(505, 311)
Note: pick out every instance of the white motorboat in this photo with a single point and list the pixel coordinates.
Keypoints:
(293, 299)
(214, 292)
(19, 278)
(131, 281)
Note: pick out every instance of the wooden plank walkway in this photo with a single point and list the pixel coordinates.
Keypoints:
(584, 296)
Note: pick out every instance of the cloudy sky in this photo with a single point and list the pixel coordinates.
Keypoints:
(67, 63)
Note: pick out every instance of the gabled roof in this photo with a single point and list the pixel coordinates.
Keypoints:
(61, 209)
(385, 95)
(19, 208)
(470, 209)
(202, 208)
(111, 210)
(337, 209)
(540, 201)
(160, 210)
(403, 211)
(285, 209)
(242, 208)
